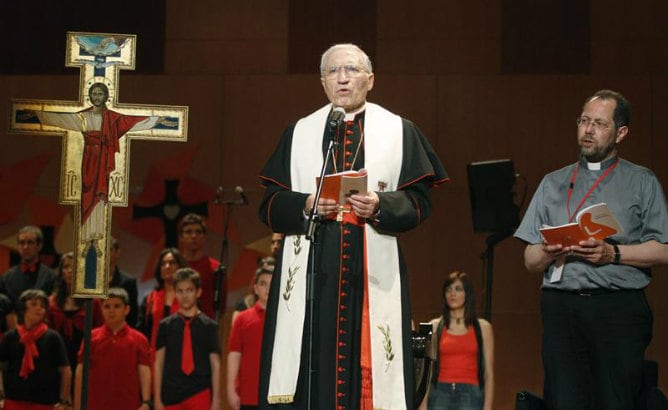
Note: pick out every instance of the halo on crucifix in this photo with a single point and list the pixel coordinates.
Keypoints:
(96, 133)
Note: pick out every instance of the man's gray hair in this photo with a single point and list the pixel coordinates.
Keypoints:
(366, 61)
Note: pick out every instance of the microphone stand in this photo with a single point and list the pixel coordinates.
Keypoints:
(311, 235)
(491, 241)
(220, 291)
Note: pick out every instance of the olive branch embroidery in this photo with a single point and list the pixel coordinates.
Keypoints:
(290, 284)
(292, 271)
(387, 345)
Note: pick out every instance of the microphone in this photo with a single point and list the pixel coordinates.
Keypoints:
(336, 117)
(218, 200)
(244, 199)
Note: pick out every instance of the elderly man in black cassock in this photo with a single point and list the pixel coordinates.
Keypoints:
(362, 333)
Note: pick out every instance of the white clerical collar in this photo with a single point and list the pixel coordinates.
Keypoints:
(351, 115)
(597, 166)
(593, 166)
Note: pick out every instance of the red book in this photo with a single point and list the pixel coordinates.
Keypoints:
(593, 222)
(341, 185)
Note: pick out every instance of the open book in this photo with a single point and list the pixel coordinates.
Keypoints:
(341, 185)
(595, 222)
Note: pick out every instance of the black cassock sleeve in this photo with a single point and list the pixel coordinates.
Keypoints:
(283, 209)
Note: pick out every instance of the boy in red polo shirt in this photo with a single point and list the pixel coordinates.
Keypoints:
(120, 368)
(187, 357)
(245, 345)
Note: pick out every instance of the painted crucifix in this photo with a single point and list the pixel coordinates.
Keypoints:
(96, 133)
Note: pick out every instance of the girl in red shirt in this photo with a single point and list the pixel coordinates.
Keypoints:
(464, 374)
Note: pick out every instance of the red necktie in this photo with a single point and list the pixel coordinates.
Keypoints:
(28, 267)
(187, 364)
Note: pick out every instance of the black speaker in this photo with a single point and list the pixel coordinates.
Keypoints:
(650, 372)
(526, 400)
(491, 189)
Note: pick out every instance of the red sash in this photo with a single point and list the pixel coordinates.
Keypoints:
(28, 339)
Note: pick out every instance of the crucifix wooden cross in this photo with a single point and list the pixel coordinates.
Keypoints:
(96, 133)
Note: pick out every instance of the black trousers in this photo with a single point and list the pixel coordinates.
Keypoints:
(593, 348)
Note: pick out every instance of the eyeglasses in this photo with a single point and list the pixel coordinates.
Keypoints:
(351, 71)
(597, 124)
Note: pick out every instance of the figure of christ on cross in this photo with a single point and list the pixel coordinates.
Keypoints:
(102, 129)
(96, 145)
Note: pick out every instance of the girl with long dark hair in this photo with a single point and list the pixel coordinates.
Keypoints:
(463, 376)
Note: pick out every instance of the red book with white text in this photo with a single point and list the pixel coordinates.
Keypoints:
(593, 222)
(341, 185)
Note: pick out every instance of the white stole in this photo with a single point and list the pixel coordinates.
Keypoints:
(383, 153)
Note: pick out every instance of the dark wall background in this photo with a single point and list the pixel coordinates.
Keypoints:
(483, 80)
